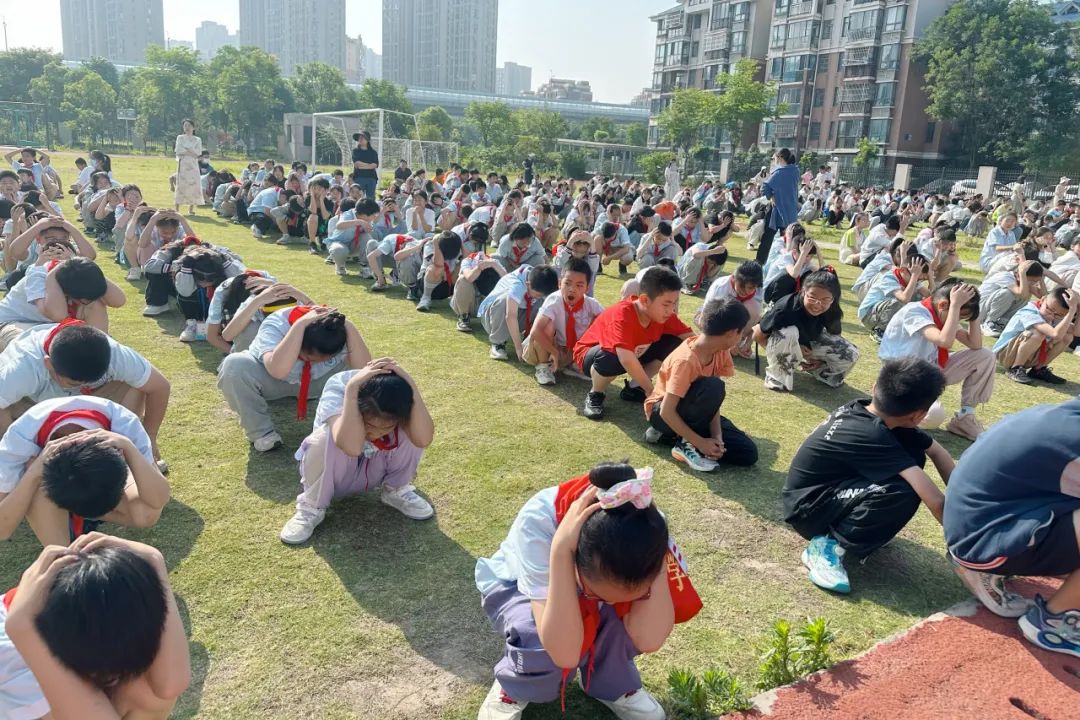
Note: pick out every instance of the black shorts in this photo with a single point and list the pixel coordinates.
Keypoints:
(441, 291)
(607, 363)
(1056, 553)
(486, 282)
(262, 222)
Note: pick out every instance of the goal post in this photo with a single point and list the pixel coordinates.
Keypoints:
(394, 136)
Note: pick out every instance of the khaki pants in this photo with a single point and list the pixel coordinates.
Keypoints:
(1023, 350)
(975, 370)
(536, 355)
(10, 331)
(464, 300)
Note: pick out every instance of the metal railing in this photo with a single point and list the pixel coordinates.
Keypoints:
(863, 34)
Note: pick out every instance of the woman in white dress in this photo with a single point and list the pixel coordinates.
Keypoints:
(672, 181)
(188, 182)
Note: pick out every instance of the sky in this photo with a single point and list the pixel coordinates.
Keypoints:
(609, 44)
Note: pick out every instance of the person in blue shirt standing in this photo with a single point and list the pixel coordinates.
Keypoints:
(1012, 507)
(782, 189)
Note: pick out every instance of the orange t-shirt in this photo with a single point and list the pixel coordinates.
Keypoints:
(681, 368)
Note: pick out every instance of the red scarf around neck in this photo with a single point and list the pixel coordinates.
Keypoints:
(942, 353)
(305, 374)
(60, 417)
(1044, 349)
(684, 597)
(735, 292)
(571, 322)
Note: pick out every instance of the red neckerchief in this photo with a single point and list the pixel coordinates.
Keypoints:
(51, 265)
(8, 597)
(942, 353)
(684, 597)
(58, 417)
(72, 307)
(519, 252)
(401, 241)
(571, 322)
(449, 276)
(386, 220)
(735, 292)
(386, 442)
(355, 239)
(305, 374)
(898, 273)
(47, 345)
(189, 241)
(1044, 349)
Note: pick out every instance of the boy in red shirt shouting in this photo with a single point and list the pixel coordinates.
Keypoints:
(632, 338)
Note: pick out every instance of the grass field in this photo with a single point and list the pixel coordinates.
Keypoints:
(377, 616)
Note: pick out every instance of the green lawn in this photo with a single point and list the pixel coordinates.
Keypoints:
(378, 617)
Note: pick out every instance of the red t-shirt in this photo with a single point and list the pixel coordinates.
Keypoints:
(619, 327)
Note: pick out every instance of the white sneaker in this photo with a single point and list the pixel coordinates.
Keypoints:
(365, 273)
(544, 376)
(190, 331)
(991, 591)
(152, 310)
(497, 706)
(424, 304)
(408, 503)
(256, 232)
(638, 705)
(341, 271)
(497, 352)
(652, 435)
(201, 330)
(134, 274)
(268, 442)
(990, 331)
(573, 372)
(301, 525)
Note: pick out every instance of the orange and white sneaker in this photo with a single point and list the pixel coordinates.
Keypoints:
(499, 706)
(966, 426)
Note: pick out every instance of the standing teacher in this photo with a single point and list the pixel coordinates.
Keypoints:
(365, 164)
(782, 189)
(188, 181)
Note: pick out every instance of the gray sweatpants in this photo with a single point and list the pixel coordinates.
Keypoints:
(247, 387)
(997, 308)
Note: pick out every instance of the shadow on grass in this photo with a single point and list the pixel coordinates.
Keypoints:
(410, 574)
(273, 475)
(188, 704)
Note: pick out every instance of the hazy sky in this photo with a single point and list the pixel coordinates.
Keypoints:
(608, 43)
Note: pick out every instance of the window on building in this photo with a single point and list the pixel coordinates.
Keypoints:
(307, 135)
(850, 129)
(697, 22)
(931, 128)
(695, 48)
(794, 67)
(836, 96)
(738, 41)
(894, 18)
(779, 34)
(791, 97)
(886, 94)
(782, 7)
(814, 132)
(879, 130)
(832, 130)
(740, 11)
(890, 57)
(691, 77)
(826, 29)
(767, 131)
(776, 68)
(819, 97)
(657, 79)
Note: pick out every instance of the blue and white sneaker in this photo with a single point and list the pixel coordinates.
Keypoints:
(824, 558)
(1056, 632)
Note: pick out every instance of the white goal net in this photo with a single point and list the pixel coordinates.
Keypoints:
(394, 136)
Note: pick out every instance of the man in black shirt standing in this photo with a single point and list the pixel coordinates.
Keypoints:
(403, 171)
(858, 479)
(365, 164)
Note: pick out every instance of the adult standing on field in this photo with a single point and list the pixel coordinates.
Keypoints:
(672, 180)
(782, 189)
(365, 164)
(188, 181)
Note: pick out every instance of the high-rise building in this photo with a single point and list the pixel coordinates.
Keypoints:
(273, 25)
(117, 30)
(372, 65)
(563, 89)
(211, 37)
(354, 59)
(440, 44)
(513, 79)
(171, 43)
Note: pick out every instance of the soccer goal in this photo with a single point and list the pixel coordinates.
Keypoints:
(394, 135)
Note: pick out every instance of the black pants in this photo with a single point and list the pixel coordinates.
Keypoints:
(103, 227)
(607, 363)
(766, 239)
(701, 404)
(241, 210)
(159, 288)
(861, 515)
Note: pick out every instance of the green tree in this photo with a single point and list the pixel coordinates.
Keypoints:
(1004, 74)
(573, 164)
(385, 95)
(248, 92)
(866, 153)
(318, 87)
(494, 121)
(106, 70)
(590, 126)
(90, 103)
(744, 102)
(637, 134)
(435, 123)
(653, 165)
(18, 67)
(172, 85)
(601, 136)
(48, 89)
(690, 112)
(547, 125)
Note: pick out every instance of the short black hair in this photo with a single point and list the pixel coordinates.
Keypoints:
(104, 616)
(325, 335)
(750, 272)
(1035, 270)
(449, 245)
(664, 228)
(206, 264)
(81, 279)
(367, 206)
(906, 385)
(658, 280)
(941, 292)
(86, 478)
(893, 223)
(386, 396)
(321, 182)
(578, 265)
(723, 315)
(543, 279)
(80, 352)
(478, 232)
(623, 545)
(521, 231)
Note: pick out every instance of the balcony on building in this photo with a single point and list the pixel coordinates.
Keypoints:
(802, 42)
(807, 7)
(863, 35)
(860, 63)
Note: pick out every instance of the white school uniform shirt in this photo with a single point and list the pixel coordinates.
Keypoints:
(18, 305)
(1067, 267)
(429, 258)
(19, 445)
(514, 285)
(1025, 318)
(395, 242)
(273, 330)
(904, 337)
(875, 241)
(35, 168)
(332, 400)
(23, 373)
(524, 557)
(84, 177)
(881, 288)
(215, 314)
(723, 287)
(998, 281)
(994, 239)
(555, 310)
(784, 260)
(429, 218)
(881, 261)
(345, 237)
(264, 201)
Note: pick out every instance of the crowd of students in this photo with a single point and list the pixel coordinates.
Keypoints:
(588, 576)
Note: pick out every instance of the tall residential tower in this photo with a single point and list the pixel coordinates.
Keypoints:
(440, 44)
